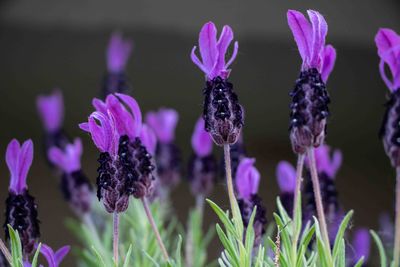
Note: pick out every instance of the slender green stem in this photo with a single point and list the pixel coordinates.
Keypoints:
(318, 198)
(155, 229)
(229, 182)
(115, 236)
(5, 251)
(396, 249)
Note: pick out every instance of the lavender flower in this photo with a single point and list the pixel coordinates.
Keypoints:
(361, 245)
(222, 112)
(388, 43)
(247, 182)
(125, 166)
(202, 165)
(286, 177)
(53, 258)
(75, 186)
(51, 112)
(118, 53)
(310, 99)
(168, 155)
(21, 209)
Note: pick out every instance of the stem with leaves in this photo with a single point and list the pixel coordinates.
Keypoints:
(396, 247)
(155, 229)
(317, 196)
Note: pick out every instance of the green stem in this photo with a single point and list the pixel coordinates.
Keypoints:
(229, 181)
(115, 236)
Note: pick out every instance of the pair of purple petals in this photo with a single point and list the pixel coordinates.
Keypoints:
(326, 162)
(19, 159)
(202, 143)
(213, 51)
(51, 110)
(163, 122)
(388, 44)
(118, 52)
(53, 258)
(310, 38)
(67, 159)
(119, 115)
(247, 178)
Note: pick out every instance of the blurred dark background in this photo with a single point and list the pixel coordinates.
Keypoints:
(46, 44)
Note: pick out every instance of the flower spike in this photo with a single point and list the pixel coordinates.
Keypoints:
(51, 110)
(163, 122)
(19, 159)
(118, 52)
(69, 159)
(213, 52)
(202, 143)
(388, 44)
(247, 178)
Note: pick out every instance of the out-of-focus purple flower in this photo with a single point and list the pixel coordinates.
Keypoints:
(286, 177)
(21, 210)
(68, 159)
(163, 122)
(361, 244)
(213, 51)
(310, 39)
(19, 159)
(54, 258)
(202, 143)
(149, 139)
(325, 162)
(118, 52)
(247, 178)
(388, 43)
(51, 110)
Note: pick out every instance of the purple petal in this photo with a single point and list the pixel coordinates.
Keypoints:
(286, 176)
(302, 33)
(135, 112)
(25, 162)
(124, 120)
(361, 244)
(328, 62)
(208, 46)
(386, 40)
(163, 122)
(12, 157)
(118, 53)
(234, 54)
(319, 29)
(61, 253)
(325, 163)
(247, 178)
(84, 126)
(99, 105)
(202, 143)
(196, 60)
(48, 253)
(51, 110)
(149, 139)
(69, 159)
(224, 41)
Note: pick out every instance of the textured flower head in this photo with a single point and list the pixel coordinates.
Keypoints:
(286, 176)
(310, 39)
(54, 258)
(326, 162)
(149, 139)
(103, 130)
(361, 244)
(247, 178)
(213, 51)
(163, 122)
(19, 159)
(68, 159)
(118, 52)
(202, 143)
(388, 43)
(51, 110)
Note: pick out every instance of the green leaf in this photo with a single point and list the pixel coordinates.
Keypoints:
(381, 249)
(128, 257)
(35, 257)
(100, 259)
(360, 262)
(222, 216)
(340, 233)
(16, 248)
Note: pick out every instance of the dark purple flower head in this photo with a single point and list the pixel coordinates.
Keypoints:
(118, 52)
(213, 51)
(388, 43)
(361, 244)
(247, 179)
(202, 143)
(286, 177)
(51, 110)
(163, 122)
(310, 39)
(19, 159)
(69, 159)
(328, 163)
(148, 138)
